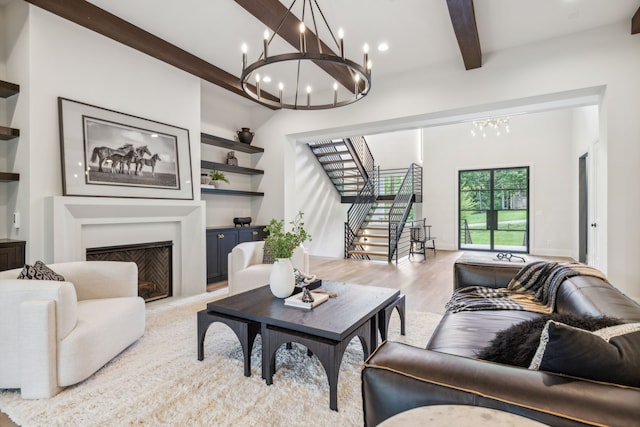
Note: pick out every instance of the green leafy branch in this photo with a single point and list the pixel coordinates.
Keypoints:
(281, 244)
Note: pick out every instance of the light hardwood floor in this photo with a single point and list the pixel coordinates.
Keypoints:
(427, 284)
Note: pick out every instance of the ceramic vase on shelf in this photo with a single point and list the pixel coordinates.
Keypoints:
(282, 280)
(245, 135)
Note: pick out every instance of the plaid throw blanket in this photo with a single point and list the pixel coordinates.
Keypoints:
(533, 288)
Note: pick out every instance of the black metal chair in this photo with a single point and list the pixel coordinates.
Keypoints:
(420, 236)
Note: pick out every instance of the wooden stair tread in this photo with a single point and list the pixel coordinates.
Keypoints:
(370, 244)
(370, 253)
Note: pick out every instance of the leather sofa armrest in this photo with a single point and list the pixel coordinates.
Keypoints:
(398, 377)
(491, 274)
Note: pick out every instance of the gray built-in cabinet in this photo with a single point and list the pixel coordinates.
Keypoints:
(220, 241)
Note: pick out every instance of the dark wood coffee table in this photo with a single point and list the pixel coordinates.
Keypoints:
(326, 330)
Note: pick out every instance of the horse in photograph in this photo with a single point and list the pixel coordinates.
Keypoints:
(119, 161)
(100, 154)
(133, 156)
(148, 162)
(140, 152)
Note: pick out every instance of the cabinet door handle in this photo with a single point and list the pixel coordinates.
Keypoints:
(221, 236)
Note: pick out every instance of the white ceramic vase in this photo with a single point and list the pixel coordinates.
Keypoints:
(282, 280)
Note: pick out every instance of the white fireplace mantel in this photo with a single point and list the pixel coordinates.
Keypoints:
(83, 222)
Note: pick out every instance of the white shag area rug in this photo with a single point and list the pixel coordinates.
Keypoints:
(158, 381)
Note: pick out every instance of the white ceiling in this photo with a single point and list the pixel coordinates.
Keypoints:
(419, 32)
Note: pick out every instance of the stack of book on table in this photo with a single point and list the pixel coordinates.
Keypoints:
(295, 300)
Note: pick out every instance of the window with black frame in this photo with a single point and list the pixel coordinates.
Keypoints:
(493, 209)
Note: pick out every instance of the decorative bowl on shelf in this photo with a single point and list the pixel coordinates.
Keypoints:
(245, 135)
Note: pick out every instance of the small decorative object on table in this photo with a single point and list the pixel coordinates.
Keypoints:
(508, 255)
(242, 221)
(231, 158)
(297, 300)
(245, 135)
(304, 280)
(306, 295)
(204, 178)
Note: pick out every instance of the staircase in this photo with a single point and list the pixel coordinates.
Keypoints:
(347, 162)
(372, 239)
(381, 200)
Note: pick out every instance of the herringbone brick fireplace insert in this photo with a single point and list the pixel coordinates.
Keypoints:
(154, 262)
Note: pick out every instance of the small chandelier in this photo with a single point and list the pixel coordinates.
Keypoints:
(349, 83)
(495, 124)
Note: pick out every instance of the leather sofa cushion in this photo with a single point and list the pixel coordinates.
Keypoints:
(517, 345)
(468, 332)
(613, 353)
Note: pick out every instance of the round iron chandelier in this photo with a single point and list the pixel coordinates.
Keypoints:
(344, 83)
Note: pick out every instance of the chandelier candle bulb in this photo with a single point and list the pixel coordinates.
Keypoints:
(341, 37)
(335, 93)
(365, 49)
(308, 96)
(244, 56)
(258, 85)
(303, 39)
(266, 43)
(280, 88)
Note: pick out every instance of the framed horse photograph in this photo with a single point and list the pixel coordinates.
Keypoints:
(110, 154)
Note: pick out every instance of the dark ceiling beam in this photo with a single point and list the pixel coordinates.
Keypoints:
(635, 22)
(463, 18)
(102, 22)
(270, 13)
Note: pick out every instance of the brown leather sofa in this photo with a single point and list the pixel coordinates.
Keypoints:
(399, 377)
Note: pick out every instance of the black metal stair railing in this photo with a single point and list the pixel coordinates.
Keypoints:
(361, 154)
(401, 207)
(357, 213)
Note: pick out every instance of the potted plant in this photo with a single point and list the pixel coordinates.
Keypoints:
(281, 244)
(216, 177)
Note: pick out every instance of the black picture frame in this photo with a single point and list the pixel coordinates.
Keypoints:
(106, 153)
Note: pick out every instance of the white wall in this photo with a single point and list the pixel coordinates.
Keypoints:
(320, 202)
(396, 150)
(65, 60)
(541, 141)
(607, 56)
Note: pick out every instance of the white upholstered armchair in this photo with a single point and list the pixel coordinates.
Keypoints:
(57, 333)
(246, 270)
